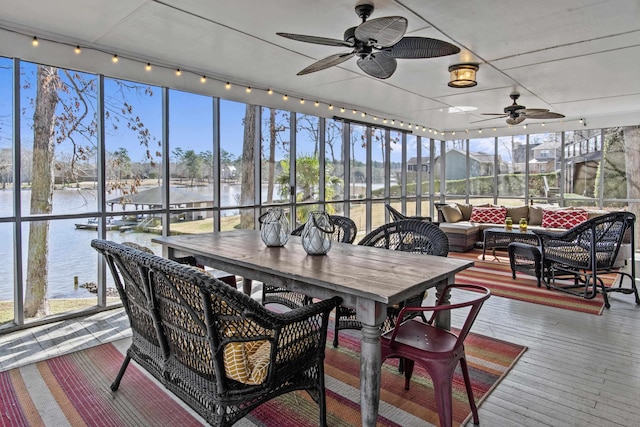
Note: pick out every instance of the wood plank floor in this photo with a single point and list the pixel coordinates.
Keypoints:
(579, 369)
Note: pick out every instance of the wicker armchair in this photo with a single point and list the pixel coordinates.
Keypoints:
(397, 216)
(345, 232)
(217, 349)
(409, 235)
(586, 251)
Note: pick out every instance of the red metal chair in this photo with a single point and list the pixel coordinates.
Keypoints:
(435, 349)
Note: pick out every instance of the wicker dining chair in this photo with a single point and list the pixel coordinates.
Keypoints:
(398, 216)
(409, 235)
(345, 232)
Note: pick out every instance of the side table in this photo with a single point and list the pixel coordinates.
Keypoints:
(500, 237)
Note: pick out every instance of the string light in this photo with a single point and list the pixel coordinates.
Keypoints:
(148, 67)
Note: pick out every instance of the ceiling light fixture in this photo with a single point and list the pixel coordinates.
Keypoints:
(463, 75)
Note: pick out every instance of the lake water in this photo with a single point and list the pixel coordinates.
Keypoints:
(70, 253)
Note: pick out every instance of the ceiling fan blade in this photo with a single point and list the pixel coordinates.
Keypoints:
(316, 40)
(515, 121)
(495, 114)
(546, 114)
(385, 31)
(420, 47)
(327, 62)
(378, 66)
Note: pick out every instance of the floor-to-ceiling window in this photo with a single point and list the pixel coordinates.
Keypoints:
(124, 161)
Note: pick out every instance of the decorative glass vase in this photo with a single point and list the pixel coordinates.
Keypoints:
(274, 227)
(508, 223)
(317, 233)
(523, 224)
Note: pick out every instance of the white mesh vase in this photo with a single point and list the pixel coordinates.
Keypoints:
(274, 227)
(317, 233)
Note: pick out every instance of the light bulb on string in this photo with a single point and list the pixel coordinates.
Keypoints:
(285, 97)
(203, 79)
(35, 41)
(115, 58)
(148, 67)
(270, 92)
(77, 50)
(248, 89)
(227, 86)
(178, 72)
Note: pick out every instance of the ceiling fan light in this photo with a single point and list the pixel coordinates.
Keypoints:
(462, 75)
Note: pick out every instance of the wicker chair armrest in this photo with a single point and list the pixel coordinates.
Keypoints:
(307, 311)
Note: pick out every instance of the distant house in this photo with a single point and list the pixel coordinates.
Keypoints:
(228, 172)
(412, 164)
(480, 164)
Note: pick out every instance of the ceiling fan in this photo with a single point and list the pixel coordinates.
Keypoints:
(518, 113)
(377, 43)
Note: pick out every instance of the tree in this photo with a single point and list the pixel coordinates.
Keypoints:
(48, 83)
(274, 128)
(63, 113)
(247, 187)
(632, 154)
(308, 180)
(193, 165)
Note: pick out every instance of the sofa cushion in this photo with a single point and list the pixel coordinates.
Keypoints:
(518, 212)
(488, 215)
(451, 213)
(535, 215)
(559, 218)
(466, 210)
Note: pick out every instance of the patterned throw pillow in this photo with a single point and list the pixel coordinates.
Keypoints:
(555, 218)
(495, 215)
(247, 362)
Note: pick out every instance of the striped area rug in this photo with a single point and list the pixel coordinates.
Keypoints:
(495, 273)
(74, 390)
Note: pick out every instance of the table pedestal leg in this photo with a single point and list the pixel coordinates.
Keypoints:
(246, 286)
(370, 374)
(443, 318)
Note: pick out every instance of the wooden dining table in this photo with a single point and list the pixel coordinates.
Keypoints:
(368, 279)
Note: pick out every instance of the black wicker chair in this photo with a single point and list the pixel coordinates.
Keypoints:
(345, 232)
(195, 334)
(586, 251)
(397, 216)
(409, 235)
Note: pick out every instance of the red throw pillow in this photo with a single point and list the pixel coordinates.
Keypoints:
(555, 218)
(493, 215)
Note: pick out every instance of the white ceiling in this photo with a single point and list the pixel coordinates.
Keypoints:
(580, 58)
